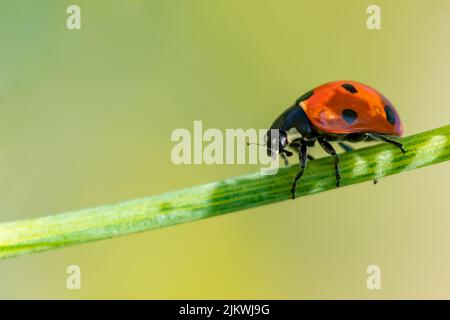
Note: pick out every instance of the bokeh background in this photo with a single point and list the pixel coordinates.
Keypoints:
(86, 118)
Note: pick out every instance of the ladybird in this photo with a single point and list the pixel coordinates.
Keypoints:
(339, 111)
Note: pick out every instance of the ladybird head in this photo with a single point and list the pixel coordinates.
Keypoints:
(276, 142)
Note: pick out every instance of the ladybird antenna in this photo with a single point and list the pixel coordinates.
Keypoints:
(256, 143)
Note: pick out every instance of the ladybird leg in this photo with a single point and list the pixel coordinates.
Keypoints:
(285, 159)
(303, 159)
(346, 147)
(310, 157)
(310, 143)
(330, 150)
(388, 140)
(296, 146)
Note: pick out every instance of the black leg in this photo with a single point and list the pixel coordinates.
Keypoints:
(345, 146)
(330, 150)
(285, 159)
(381, 137)
(303, 158)
(296, 146)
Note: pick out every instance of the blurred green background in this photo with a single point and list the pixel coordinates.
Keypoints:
(86, 118)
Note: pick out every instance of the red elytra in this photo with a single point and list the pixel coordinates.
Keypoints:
(374, 112)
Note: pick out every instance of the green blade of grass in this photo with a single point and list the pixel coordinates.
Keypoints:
(51, 232)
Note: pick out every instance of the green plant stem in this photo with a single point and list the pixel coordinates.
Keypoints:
(51, 232)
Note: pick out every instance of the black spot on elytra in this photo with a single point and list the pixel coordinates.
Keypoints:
(349, 115)
(349, 87)
(390, 114)
(305, 96)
